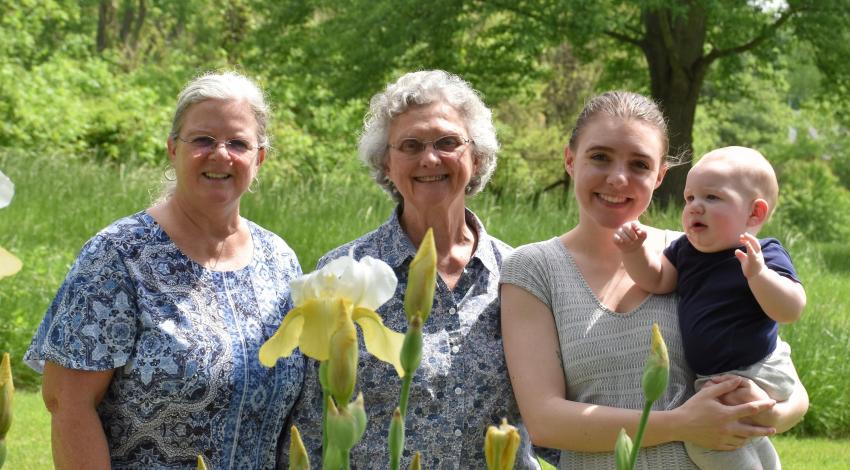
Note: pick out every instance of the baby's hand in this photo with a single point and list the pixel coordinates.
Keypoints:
(752, 262)
(630, 236)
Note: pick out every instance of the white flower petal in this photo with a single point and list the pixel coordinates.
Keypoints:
(367, 283)
(7, 190)
(379, 283)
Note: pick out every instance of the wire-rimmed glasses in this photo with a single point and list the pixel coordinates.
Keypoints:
(446, 146)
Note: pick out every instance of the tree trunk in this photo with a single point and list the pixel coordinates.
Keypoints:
(673, 47)
(105, 18)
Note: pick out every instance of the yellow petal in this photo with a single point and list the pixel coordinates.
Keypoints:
(284, 340)
(320, 319)
(9, 264)
(381, 342)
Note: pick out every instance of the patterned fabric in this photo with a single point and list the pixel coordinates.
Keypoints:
(603, 352)
(183, 341)
(462, 385)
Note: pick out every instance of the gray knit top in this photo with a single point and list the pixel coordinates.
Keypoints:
(603, 352)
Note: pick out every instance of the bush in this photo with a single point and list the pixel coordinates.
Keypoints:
(813, 201)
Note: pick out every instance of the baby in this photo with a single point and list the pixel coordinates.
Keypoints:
(733, 288)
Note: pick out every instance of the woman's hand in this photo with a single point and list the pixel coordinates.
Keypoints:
(707, 422)
(71, 397)
(783, 416)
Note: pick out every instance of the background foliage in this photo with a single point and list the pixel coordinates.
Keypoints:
(87, 89)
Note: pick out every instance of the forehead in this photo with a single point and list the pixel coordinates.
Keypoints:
(715, 174)
(434, 118)
(220, 115)
(628, 135)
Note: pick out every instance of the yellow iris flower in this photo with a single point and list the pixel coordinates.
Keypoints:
(9, 264)
(329, 299)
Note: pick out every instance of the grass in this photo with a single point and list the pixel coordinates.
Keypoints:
(61, 202)
(29, 442)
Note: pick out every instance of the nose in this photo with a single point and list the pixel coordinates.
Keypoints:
(694, 206)
(429, 157)
(219, 149)
(617, 177)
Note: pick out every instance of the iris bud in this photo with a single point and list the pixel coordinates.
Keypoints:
(623, 451)
(500, 446)
(421, 280)
(7, 390)
(416, 463)
(298, 458)
(656, 372)
(201, 464)
(342, 364)
(411, 349)
(396, 438)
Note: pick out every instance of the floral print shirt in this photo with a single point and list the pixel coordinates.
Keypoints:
(462, 385)
(183, 343)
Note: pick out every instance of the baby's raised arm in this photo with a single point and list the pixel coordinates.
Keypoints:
(651, 271)
(781, 298)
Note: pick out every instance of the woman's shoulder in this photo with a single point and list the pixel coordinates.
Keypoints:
(534, 251)
(366, 245)
(267, 237)
(130, 231)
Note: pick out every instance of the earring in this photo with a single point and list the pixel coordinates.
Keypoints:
(255, 184)
(169, 174)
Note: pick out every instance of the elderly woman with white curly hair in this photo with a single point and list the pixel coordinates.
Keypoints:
(430, 143)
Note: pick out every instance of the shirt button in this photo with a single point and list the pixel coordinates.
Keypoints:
(458, 391)
(452, 311)
(458, 432)
(455, 349)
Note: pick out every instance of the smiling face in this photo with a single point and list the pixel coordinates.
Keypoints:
(615, 167)
(718, 209)
(428, 178)
(214, 177)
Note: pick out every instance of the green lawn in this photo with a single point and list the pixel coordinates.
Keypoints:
(29, 442)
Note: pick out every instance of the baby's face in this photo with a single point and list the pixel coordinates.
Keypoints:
(716, 207)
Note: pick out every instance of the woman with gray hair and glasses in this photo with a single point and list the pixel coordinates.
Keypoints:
(149, 350)
(430, 143)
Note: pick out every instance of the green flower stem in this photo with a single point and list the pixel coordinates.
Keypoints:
(405, 393)
(644, 418)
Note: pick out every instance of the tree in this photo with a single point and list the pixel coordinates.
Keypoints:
(665, 47)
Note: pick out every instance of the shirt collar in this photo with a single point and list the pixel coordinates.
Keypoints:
(404, 250)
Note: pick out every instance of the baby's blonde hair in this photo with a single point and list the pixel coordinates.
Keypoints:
(754, 173)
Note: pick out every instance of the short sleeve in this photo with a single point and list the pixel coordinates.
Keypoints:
(526, 268)
(91, 323)
(777, 259)
(672, 250)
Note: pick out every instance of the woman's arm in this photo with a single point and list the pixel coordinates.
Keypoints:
(532, 353)
(71, 397)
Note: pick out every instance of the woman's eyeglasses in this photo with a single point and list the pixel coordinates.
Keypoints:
(205, 143)
(446, 146)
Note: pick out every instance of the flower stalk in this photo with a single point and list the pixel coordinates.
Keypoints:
(656, 374)
(418, 300)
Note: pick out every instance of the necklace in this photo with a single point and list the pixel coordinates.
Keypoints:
(211, 265)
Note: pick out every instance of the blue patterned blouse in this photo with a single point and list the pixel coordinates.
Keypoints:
(462, 386)
(183, 341)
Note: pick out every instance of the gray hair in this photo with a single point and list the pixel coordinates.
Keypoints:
(224, 86)
(625, 105)
(423, 88)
